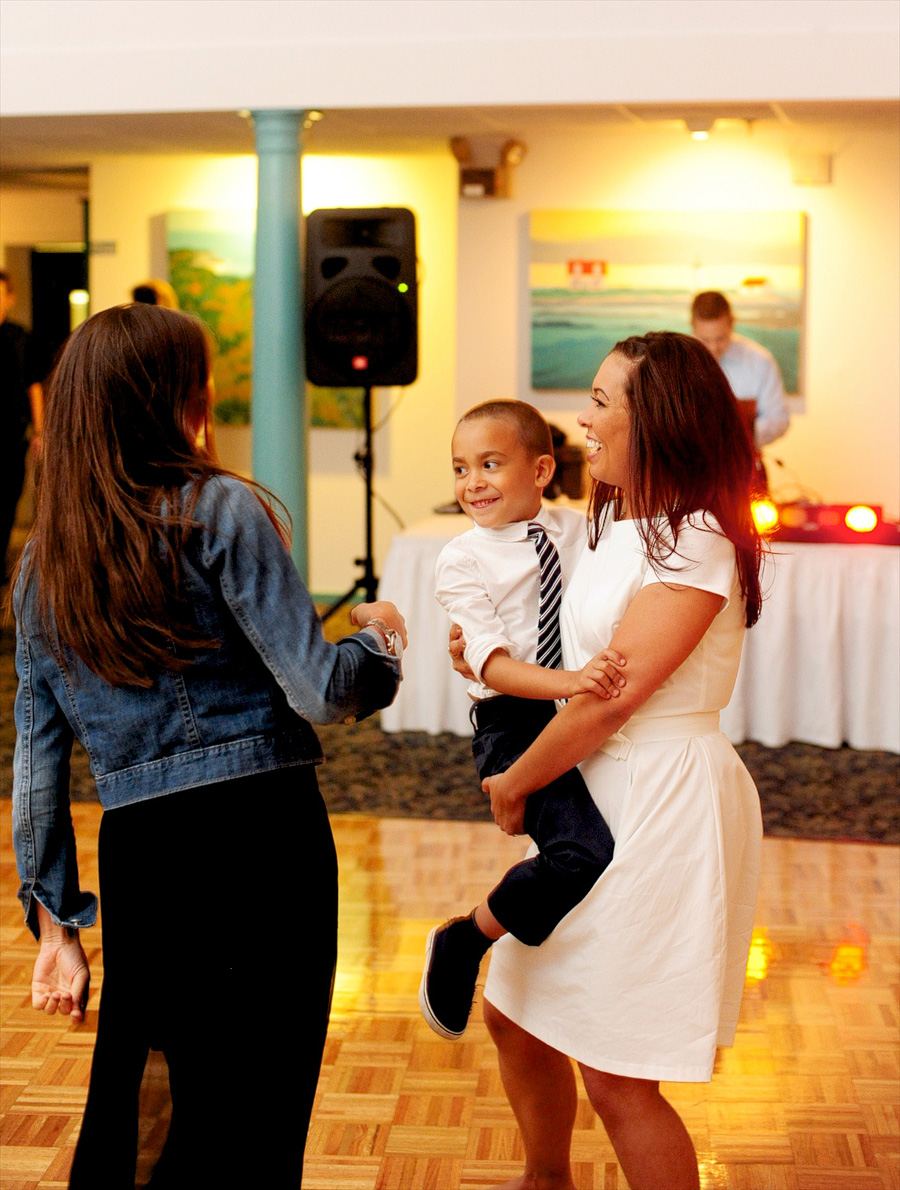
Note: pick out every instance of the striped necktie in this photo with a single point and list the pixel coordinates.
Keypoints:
(549, 648)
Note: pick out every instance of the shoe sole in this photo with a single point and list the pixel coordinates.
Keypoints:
(430, 1019)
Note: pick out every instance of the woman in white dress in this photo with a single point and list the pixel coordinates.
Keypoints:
(643, 979)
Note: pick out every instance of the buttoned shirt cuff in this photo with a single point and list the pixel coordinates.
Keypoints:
(77, 919)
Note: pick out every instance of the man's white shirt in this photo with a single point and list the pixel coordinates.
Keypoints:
(753, 375)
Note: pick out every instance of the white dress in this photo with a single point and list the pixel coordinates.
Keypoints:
(644, 977)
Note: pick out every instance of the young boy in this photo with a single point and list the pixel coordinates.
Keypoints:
(502, 583)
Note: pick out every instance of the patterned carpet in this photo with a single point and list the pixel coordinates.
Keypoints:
(806, 792)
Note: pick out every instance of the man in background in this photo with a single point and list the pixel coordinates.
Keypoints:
(751, 370)
(21, 405)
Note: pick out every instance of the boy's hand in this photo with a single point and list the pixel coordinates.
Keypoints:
(456, 647)
(601, 676)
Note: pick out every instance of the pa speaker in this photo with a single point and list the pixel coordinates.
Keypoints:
(361, 296)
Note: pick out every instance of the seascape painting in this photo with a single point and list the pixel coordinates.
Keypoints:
(596, 277)
(211, 265)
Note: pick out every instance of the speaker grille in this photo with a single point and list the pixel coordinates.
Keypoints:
(361, 317)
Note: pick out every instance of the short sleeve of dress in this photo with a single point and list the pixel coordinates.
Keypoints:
(702, 558)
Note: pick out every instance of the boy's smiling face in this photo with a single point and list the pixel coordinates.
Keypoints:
(498, 481)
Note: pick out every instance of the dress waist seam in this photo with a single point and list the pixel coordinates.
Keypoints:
(663, 727)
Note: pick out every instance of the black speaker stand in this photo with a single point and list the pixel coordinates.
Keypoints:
(367, 581)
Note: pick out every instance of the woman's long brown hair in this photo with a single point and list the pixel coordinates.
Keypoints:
(123, 405)
(690, 452)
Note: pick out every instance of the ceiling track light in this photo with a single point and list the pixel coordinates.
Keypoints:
(700, 127)
(486, 165)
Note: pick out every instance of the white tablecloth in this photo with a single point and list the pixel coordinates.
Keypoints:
(822, 666)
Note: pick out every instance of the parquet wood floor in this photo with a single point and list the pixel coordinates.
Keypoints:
(806, 1100)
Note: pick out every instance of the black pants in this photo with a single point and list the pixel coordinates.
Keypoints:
(575, 842)
(219, 909)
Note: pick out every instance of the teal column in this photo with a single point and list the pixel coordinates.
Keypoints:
(279, 369)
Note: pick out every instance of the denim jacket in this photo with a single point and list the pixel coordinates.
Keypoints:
(242, 707)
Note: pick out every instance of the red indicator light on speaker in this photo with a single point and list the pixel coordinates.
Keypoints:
(359, 363)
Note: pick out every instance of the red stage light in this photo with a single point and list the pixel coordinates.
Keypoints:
(861, 518)
(765, 516)
(834, 523)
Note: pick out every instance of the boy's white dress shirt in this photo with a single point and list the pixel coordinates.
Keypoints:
(488, 581)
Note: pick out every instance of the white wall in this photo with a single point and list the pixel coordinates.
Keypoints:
(127, 192)
(846, 445)
(169, 55)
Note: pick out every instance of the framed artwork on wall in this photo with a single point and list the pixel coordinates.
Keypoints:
(210, 264)
(596, 277)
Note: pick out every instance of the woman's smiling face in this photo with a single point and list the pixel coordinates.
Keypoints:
(607, 423)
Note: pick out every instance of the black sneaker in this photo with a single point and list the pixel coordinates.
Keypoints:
(452, 958)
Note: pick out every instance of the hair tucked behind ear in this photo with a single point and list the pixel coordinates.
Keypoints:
(690, 452)
(122, 408)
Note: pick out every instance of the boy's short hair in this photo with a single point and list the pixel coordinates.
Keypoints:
(533, 431)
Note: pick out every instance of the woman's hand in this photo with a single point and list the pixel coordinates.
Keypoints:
(601, 676)
(507, 806)
(456, 647)
(61, 978)
(364, 613)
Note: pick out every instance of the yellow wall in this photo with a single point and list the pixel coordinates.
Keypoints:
(28, 217)
(844, 441)
(408, 448)
(128, 191)
(39, 216)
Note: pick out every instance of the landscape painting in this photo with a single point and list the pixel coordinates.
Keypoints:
(596, 277)
(211, 270)
(211, 265)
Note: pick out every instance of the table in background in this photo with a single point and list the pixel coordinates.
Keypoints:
(822, 666)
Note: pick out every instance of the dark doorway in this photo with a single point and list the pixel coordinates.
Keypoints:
(53, 277)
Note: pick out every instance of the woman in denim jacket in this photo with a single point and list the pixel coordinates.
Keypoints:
(160, 621)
